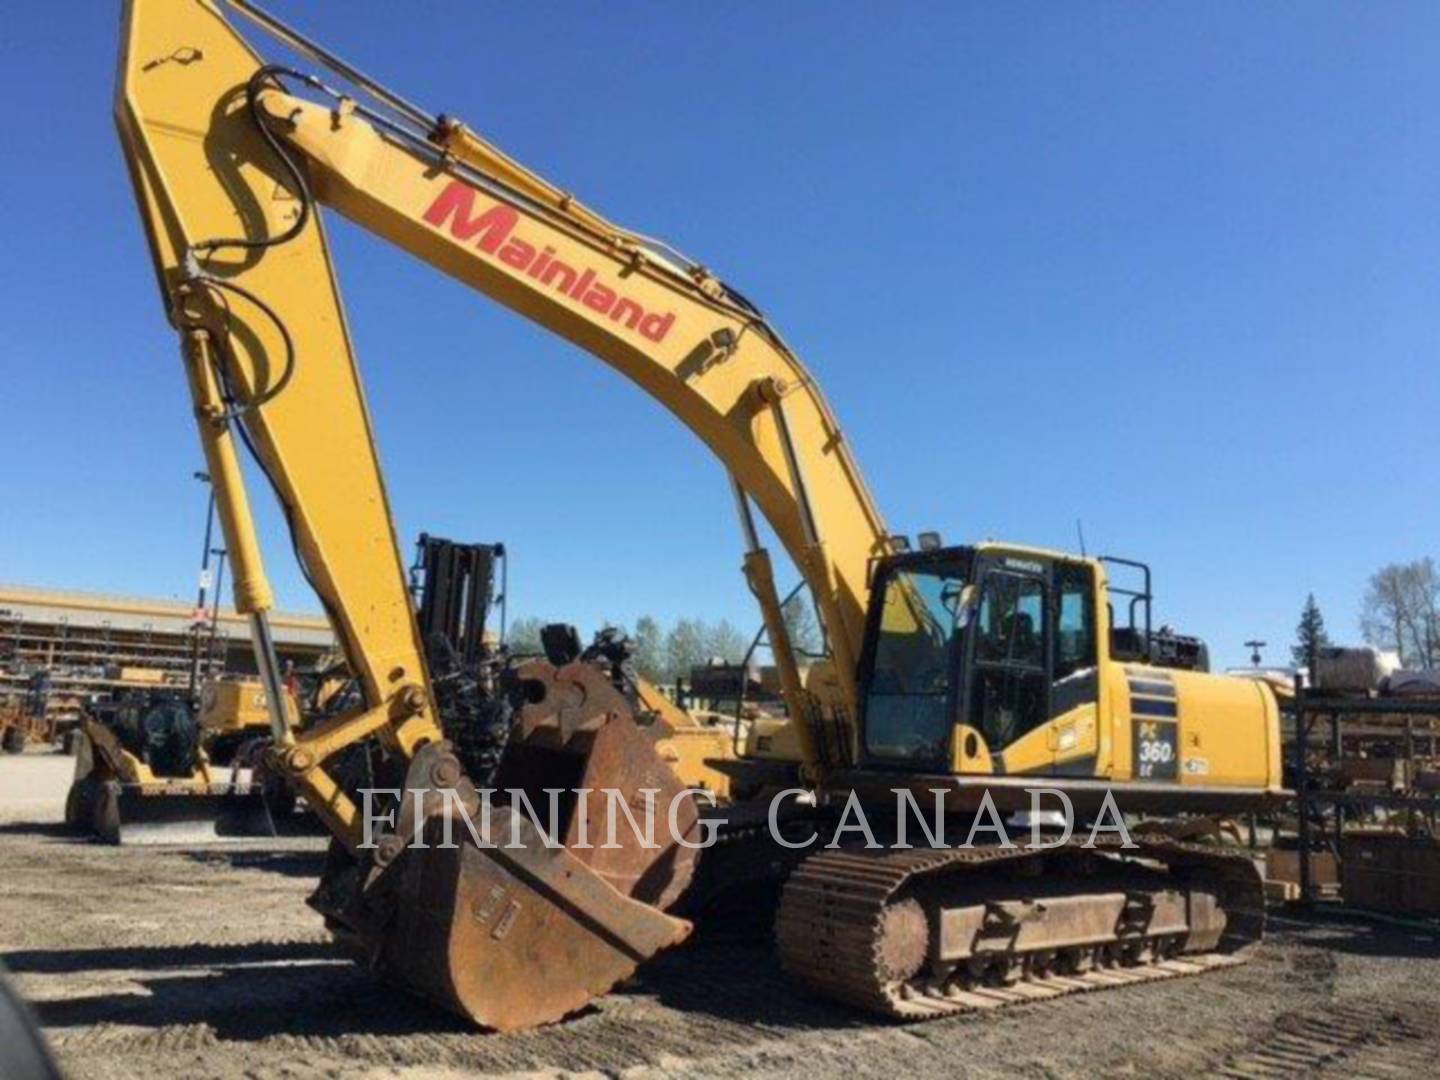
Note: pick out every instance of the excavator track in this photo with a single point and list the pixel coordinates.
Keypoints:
(923, 933)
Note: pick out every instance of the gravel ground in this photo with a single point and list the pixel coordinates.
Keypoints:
(206, 963)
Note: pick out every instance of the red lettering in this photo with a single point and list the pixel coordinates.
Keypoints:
(490, 231)
(628, 310)
(563, 272)
(457, 203)
(656, 326)
(599, 298)
(517, 253)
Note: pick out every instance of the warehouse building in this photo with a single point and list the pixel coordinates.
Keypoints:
(69, 645)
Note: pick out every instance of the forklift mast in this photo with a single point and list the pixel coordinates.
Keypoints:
(454, 586)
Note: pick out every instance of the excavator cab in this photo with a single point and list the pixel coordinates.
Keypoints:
(1005, 661)
(975, 655)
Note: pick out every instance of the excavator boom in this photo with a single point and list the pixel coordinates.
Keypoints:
(231, 160)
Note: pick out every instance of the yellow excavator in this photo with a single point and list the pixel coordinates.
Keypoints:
(954, 677)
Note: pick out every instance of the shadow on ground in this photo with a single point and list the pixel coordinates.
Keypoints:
(1335, 930)
(143, 957)
(57, 830)
(248, 992)
(304, 864)
(247, 853)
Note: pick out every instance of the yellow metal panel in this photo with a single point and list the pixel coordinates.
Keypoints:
(1227, 729)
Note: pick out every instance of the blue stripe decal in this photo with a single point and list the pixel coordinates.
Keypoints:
(1153, 688)
(1142, 707)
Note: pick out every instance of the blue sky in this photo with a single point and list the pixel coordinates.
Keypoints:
(1166, 268)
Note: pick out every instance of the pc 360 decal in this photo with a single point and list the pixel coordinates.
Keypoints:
(1156, 748)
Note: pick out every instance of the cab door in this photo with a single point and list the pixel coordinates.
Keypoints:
(1008, 688)
(1033, 683)
(1074, 730)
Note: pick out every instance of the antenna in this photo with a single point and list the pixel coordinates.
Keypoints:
(1080, 531)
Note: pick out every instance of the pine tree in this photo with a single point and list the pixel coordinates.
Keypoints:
(1310, 634)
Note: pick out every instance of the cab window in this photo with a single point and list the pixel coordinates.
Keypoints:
(915, 654)
(1076, 682)
(1011, 629)
(1075, 620)
(1010, 689)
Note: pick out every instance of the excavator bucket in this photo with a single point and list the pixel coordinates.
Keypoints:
(515, 937)
(522, 913)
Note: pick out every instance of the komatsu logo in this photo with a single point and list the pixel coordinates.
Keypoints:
(493, 233)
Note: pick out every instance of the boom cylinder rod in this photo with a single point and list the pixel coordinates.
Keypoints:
(747, 517)
(253, 595)
(269, 667)
(288, 35)
(820, 568)
(760, 576)
(251, 587)
(792, 464)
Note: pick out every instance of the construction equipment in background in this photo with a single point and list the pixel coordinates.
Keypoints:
(455, 588)
(164, 765)
(741, 709)
(14, 728)
(233, 713)
(83, 644)
(975, 672)
(234, 720)
(143, 777)
(24, 724)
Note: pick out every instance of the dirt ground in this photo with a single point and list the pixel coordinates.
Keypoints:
(206, 963)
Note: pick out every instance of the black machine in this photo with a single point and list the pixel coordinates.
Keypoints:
(454, 586)
(454, 589)
(158, 726)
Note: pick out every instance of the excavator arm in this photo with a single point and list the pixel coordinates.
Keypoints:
(231, 159)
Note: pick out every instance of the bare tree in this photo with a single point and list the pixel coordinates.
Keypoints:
(1401, 611)
(523, 635)
(685, 647)
(724, 642)
(800, 624)
(649, 649)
